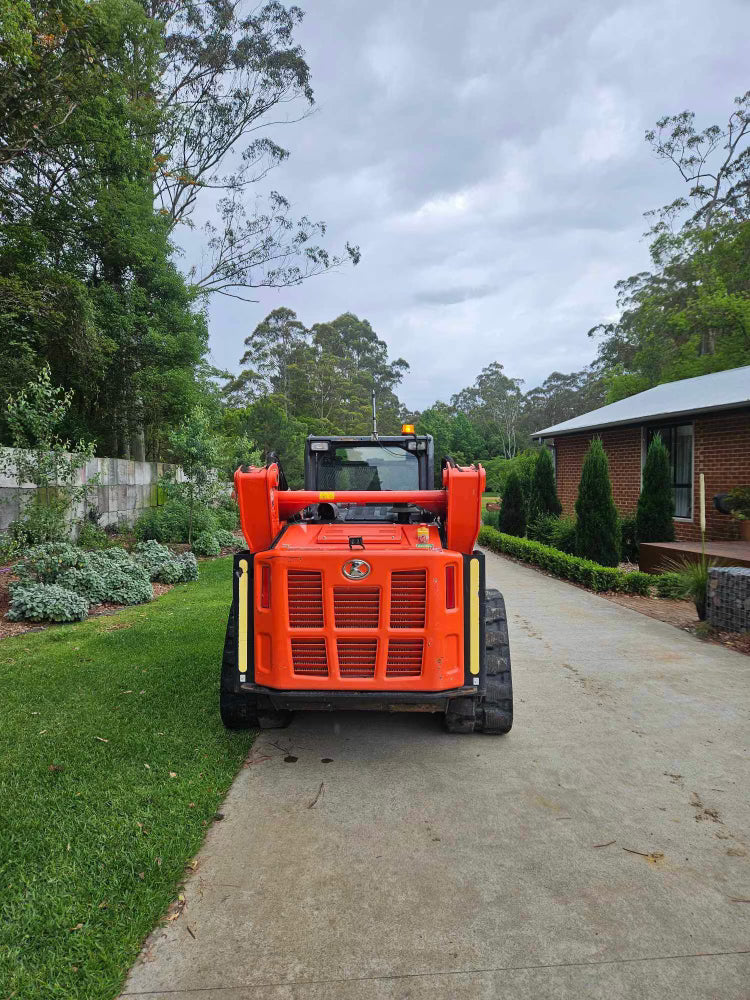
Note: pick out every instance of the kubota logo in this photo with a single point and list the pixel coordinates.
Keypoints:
(356, 569)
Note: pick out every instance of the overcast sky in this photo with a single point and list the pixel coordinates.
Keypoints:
(488, 158)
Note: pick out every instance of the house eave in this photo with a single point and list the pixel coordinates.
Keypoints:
(561, 431)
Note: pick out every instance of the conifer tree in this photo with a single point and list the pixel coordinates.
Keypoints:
(544, 498)
(597, 526)
(656, 503)
(512, 513)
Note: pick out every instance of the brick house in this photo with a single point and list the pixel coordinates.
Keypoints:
(705, 423)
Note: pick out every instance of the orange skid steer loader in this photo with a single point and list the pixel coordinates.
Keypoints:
(365, 591)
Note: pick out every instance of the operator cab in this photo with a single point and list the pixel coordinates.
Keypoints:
(397, 462)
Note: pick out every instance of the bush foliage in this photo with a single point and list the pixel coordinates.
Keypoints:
(670, 585)
(46, 602)
(225, 538)
(49, 572)
(584, 571)
(512, 520)
(163, 566)
(543, 498)
(597, 525)
(654, 520)
(206, 544)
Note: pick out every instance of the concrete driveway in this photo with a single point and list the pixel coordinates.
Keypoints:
(599, 850)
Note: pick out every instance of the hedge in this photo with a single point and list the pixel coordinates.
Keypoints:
(583, 571)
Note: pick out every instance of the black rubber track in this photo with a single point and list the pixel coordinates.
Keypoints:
(492, 713)
(241, 711)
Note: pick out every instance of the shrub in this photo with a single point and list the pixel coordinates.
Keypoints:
(9, 548)
(564, 535)
(227, 513)
(42, 520)
(171, 522)
(154, 557)
(654, 520)
(225, 538)
(163, 565)
(85, 581)
(597, 526)
(584, 571)
(628, 540)
(540, 528)
(512, 519)
(543, 498)
(91, 536)
(693, 575)
(559, 532)
(739, 503)
(670, 585)
(125, 581)
(46, 602)
(637, 583)
(491, 517)
(43, 563)
(206, 544)
(189, 567)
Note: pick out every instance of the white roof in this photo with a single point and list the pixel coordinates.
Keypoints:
(719, 391)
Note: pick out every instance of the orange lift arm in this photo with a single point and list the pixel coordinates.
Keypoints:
(264, 507)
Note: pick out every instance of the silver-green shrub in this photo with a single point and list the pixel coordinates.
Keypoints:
(46, 602)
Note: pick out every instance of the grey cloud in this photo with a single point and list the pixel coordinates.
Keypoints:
(449, 296)
(489, 159)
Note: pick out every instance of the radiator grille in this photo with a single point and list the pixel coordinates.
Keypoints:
(357, 657)
(356, 607)
(305, 598)
(405, 658)
(309, 657)
(408, 598)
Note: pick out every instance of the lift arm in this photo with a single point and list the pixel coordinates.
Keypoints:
(264, 508)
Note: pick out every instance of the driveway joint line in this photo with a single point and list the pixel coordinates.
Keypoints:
(449, 972)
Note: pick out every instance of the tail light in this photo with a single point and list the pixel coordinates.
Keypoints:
(450, 586)
(265, 586)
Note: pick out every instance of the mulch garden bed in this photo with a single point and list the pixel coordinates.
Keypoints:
(9, 628)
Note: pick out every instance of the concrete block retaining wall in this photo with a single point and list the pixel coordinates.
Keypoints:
(124, 489)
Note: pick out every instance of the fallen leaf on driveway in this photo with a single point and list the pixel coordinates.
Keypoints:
(653, 857)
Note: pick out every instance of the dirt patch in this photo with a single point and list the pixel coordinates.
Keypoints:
(679, 613)
(738, 641)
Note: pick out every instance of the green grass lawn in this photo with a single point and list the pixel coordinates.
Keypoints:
(113, 761)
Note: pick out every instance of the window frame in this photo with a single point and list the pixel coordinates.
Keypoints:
(648, 432)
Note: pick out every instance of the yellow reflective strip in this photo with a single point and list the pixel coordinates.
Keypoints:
(474, 616)
(242, 619)
(326, 495)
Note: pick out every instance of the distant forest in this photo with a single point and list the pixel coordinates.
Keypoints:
(117, 119)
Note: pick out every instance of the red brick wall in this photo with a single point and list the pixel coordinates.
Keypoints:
(623, 448)
(721, 448)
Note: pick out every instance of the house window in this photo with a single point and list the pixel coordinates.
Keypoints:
(678, 439)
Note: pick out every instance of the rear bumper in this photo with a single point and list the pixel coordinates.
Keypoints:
(379, 701)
